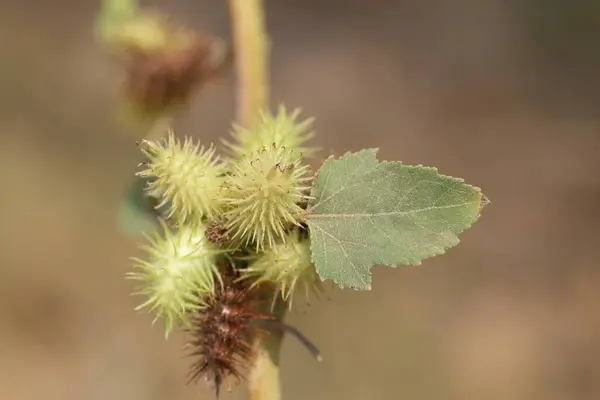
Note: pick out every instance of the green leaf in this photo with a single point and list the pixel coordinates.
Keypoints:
(365, 213)
(137, 214)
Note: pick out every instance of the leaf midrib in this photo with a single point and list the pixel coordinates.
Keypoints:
(390, 213)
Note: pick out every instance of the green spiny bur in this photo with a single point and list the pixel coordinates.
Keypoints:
(281, 130)
(187, 178)
(179, 272)
(264, 191)
(288, 265)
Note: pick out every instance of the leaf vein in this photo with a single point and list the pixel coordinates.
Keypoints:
(390, 213)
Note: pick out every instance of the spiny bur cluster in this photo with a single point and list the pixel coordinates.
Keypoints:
(245, 211)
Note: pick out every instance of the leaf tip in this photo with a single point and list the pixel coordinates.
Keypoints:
(485, 201)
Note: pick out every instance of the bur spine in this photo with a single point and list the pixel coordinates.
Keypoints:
(187, 178)
(288, 265)
(179, 272)
(263, 196)
(282, 130)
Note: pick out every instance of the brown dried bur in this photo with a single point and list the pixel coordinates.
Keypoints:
(158, 80)
(222, 333)
(217, 232)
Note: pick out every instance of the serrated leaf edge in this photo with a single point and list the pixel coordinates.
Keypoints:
(333, 158)
(483, 201)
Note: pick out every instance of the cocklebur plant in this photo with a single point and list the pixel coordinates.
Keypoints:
(241, 230)
(260, 198)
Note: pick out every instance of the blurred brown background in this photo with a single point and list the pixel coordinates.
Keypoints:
(502, 93)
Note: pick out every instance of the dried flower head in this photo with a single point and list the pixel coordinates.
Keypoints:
(157, 82)
(165, 62)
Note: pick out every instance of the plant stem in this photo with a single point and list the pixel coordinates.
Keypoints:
(264, 383)
(251, 52)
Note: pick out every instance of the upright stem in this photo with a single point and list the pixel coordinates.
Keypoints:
(251, 52)
(264, 382)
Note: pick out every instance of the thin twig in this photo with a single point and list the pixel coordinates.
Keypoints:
(283, 327)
